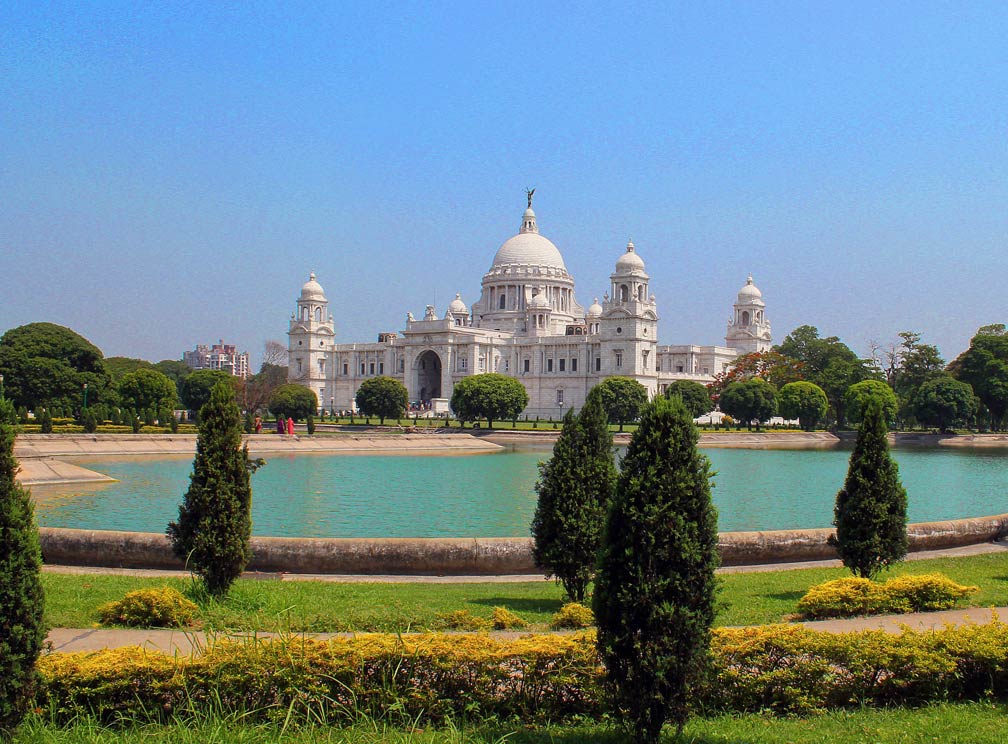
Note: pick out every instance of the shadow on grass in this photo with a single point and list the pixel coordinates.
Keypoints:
(519, 604)
(786, 596)
(589, 735)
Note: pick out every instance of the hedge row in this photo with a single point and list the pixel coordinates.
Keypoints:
(851, 596)
(785, 669)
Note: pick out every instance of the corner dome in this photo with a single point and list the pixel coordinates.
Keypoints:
(629, 261)
(312, 290)
(539, 302)
(457, 306)
(594, 310)
(749, 291)
(528, 247)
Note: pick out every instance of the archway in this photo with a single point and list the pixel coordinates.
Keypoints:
(428, 367)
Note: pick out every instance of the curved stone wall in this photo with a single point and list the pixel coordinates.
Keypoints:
(464, 556)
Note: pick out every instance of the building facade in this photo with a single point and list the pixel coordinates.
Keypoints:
(218, 356)
(526, 324)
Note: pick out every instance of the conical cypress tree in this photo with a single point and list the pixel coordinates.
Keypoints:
(654, 593)
(22, 631)
(215, 523)
(870, 513)
(575, 487)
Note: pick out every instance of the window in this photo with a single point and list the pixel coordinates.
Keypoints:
(598, 364)
(362, 367)
(706, 371)
(526, 366)
(619, 358)
(402, 365)
(549, 365)
(563, 363)
(345, 370)
(507, 365)
(644, 356)
(299, 366)
(573, 364)
(463, 363)
(321, 367)
(381, 368)
(559, 397)
(503, 301)
(371, 368)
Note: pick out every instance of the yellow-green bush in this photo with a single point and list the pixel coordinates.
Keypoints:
(854, 596)
(503, 619)
(573, 616)
(150, 608)
(463, 620)
(429, 678)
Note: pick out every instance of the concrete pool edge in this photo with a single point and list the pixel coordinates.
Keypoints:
(484, 556)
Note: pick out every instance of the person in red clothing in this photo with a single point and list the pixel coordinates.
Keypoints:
(290, 426)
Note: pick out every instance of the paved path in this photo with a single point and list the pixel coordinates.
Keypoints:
(186, 642)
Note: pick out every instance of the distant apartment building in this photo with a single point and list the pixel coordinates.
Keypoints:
(218, 356)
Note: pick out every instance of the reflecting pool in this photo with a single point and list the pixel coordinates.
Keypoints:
(494, 495)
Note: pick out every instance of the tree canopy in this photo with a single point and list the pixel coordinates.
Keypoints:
(293, 401)
(146, 388)
(944, 402)
(622, 398)
(695, 397)
(772, 366)
(857, 396)
(45, 364)
(196, 387)
(804, 401)
(118, 366)
(984, 366)
(752, 401)
(384, 397)
(492, 396)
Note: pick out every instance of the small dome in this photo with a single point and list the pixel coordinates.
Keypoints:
(749, 292)
(539, 302)
(594, 310)
(312, 290)
(528, 247)
(457, 306)
(629, 261)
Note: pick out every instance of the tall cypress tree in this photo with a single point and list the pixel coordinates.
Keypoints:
(654, 593)
(215, 522)
(870, 513)
(22, 631)
(575, 487)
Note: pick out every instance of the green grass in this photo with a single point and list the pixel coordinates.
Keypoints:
(72, 600)
(975, 723)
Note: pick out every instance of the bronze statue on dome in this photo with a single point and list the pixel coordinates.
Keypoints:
(529, 193)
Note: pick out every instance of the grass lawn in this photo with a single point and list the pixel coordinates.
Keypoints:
(975, 723)
(745, 599)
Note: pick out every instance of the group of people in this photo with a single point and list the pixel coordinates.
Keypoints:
(282, 426)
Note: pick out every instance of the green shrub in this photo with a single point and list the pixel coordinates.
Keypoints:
(573, 615)
(150, 608)
(503, 619)
(853, 596)
(89, 421)
(45, 421)
(463, 620)
(784, 669)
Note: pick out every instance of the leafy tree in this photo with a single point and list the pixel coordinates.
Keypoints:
(196, 387)
(622, 398)
(827, 362)
(175, 370)
(772, 366)
(117, 367)
(22, 630)
(384, 397)
(8, 414)
(89, 421)
(294, 401)
(45, 421)
(575, 487)
(804, 401)
(146, 388)
(258, 388)
(44, 364)
(944, 402)
(984, 365)
(492, 396)
(654, 593)
(857, 396)
(870, 513)
(694, 396)
(215, 523)
(749, 401)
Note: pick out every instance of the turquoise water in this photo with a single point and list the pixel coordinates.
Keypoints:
(494, 496)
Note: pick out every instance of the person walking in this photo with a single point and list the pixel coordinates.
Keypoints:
(281, 429)
(290, 426)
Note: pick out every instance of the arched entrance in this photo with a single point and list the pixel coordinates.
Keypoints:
(428, 369)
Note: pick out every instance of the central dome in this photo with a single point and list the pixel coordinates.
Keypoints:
(529, 248)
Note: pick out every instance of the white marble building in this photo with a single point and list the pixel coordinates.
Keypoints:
(526, 324)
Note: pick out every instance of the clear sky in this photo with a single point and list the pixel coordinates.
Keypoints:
(170, 175)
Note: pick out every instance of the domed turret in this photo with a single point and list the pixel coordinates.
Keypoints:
(749, 292)
(457, 306)
(539, 302)
(528, 248)
(594, 310)
(749, 329)
(629, 262)
(312, 290)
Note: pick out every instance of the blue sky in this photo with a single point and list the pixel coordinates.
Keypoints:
(169, 175)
